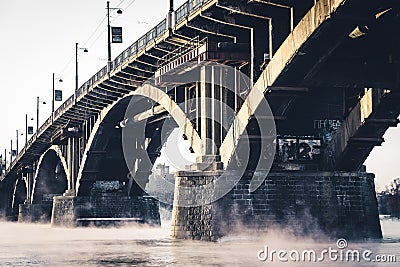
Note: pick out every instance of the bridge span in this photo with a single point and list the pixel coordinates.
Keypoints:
(328, 71)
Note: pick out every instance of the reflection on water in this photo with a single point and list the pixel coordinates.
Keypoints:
(39, 245)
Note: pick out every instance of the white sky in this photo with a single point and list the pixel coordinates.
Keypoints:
(38, 38)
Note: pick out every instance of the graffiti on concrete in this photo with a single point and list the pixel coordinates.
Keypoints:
(326, 129)
(291, 149)
(49, 197)
(105, 186)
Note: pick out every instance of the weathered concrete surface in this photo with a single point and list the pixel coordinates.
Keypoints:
(316, 204)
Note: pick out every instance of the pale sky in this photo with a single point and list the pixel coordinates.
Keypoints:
(38, 38)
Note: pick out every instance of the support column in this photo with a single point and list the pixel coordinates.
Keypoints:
(73, 163)
(206, 115)
(29, 182)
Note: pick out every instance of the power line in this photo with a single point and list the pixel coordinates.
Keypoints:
(91, 36)
(94, 32)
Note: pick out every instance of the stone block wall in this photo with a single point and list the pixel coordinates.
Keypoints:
(64, 213)
(35, 212)
(195, 222)
(333, 204)
(66, 209)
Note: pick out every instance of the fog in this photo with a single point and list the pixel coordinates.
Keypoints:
(139, 245)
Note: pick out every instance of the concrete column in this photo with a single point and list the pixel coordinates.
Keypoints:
(206, 111)
(217, 112)
(29, 182)
(198, 107)
(73, 161)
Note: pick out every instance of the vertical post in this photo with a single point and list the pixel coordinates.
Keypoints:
(170, 23)
(37, 114)
(271, 52)
(17, 142)
(222, 100)
(71, 186)
(5, 160)
(11, 153)
(211, 119)
(217, 123)
(237, 91)
(251, 76)
(76, 68)
(197, 103)
(291, 19)
(72, 157)
(26, 129)
(186, 100)
(52, 100)
(29, 189)
(108, 37)
(205, 112)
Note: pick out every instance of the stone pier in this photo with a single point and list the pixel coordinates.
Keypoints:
(337, 204)
(104, 206)
(35, 213)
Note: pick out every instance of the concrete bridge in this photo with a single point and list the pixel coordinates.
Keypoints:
(329, 70)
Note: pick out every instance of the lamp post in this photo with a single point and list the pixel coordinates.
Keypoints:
(76, 64)
(54, 93)
(38, 101)
(17, 140)
(11, 152)
(119, 11)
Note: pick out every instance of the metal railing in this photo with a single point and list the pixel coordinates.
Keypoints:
(177, 53)
(188, 7)
(154, 33)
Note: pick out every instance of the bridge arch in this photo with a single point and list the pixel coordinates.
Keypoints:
(19, 195)
(51, 177)
(106, 131)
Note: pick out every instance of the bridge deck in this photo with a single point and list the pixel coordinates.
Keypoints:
(305, 40)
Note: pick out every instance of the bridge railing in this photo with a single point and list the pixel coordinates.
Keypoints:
(64, 106)
(188, 7)
(182, 12)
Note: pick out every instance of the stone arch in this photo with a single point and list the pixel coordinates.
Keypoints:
(19, 195)
(111, 116)
(101, 134)
(51, 177)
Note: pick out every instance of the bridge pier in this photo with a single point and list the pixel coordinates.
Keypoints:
(107, 204)
(312, 203)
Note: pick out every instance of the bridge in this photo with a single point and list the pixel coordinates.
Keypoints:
(328, 69)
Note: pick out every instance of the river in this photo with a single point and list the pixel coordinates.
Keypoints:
(42, 245)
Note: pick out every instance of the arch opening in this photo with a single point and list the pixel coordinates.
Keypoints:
(51, 179)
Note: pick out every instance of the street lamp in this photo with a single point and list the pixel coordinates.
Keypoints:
(11, 153)
(76, 63)
(38, 101)
(119, 11)
(54, 93)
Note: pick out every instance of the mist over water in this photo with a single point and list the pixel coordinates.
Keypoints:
(138, 245)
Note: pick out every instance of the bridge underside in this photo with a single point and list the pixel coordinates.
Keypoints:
(328, 69)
